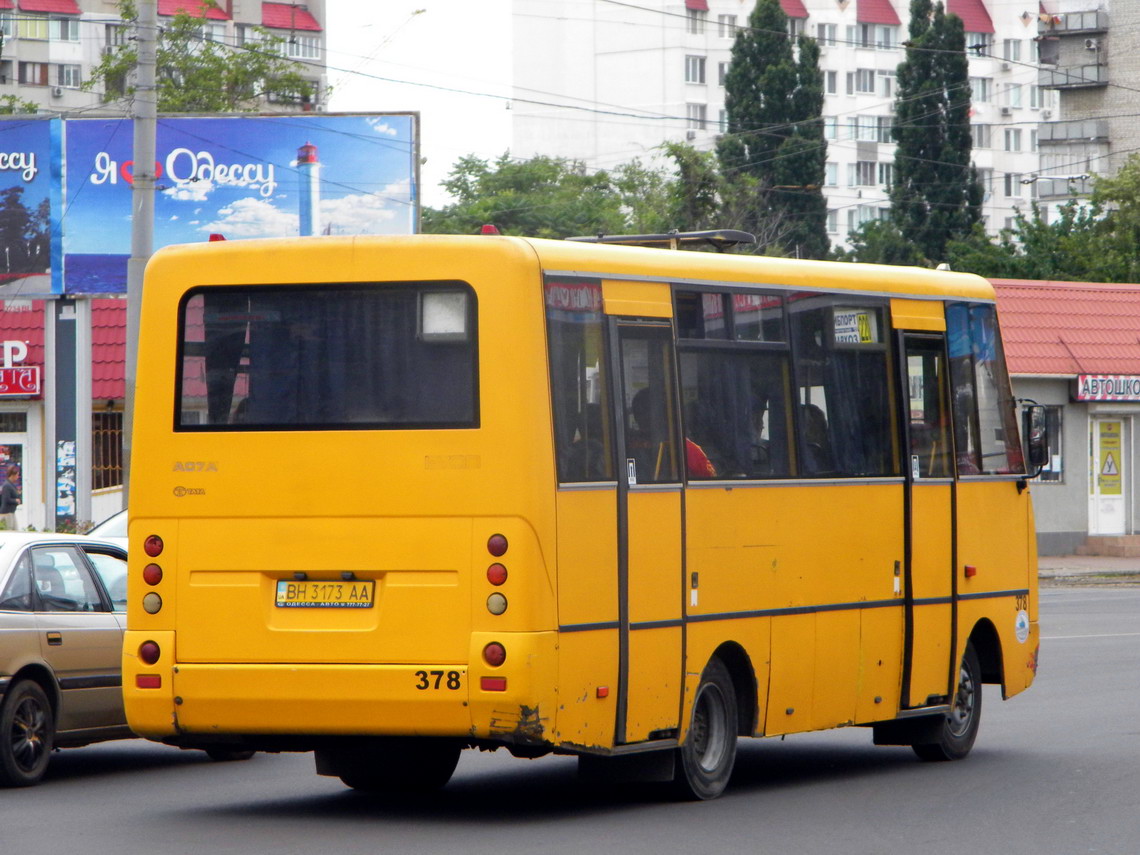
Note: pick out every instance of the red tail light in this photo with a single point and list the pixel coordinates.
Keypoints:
(148, 681)
(496, 574)
(496, 545)
(152, 546)
(152, 574)
(493, 684)
(494, 654)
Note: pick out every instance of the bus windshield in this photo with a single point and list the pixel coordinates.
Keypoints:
(327, 357)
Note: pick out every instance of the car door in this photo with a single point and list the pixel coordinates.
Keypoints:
(80, 637)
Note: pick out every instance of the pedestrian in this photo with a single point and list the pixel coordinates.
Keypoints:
(10, 498)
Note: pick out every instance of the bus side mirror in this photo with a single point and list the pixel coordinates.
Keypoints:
(1036, 433)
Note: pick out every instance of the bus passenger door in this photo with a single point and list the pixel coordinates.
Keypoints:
(930, 582)
(649, 530)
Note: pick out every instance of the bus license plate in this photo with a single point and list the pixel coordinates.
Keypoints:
(357, 594)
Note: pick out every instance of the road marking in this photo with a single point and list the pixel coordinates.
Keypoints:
(1100, 635)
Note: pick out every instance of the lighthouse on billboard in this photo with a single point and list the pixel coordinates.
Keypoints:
(308, 173)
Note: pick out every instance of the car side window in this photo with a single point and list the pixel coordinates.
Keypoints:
(17, 594)
(63, 582)
(112, 570)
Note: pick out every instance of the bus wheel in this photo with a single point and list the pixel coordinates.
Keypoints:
(960, 727)
(27, 733)
(396, 766)
(705, 758)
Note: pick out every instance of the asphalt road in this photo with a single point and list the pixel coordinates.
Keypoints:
(1055, 771)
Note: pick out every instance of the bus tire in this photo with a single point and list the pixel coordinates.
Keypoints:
(27, 734)
(398, 766)
(959, 728)
(705, 759)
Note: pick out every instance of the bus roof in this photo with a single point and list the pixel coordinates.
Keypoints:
(633, 263)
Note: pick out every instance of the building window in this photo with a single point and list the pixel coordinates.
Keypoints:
(831, 127)
(302, 47)
(887, 84)
(696, 22)
(980, 89)
(1011, 50)
(884, 127)
(861, 80)
(795, 27)
(1013, 184)
(831, 174)
(33, 26)
(887, 175)
(726, 26)
(64, 29)
(1013, 139)
(115, 35)
(832, 221)
(106, 450)
(1054, 470)
(69, 76)
(832, 78)
(34, 73)
(722, 123)
(698, 116)
(826, 34)
(861, 173)
(986, 179)
(864, 128)
(694, 69)
(885, 38)
(982, 135)
(1035, 97)
(7, 24)
(721, 72)
(978, 43)
(1013, 95)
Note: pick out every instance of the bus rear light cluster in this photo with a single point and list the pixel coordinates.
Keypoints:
(152, 603)
(494, 654)
(493, 684)
(149, 652)
(148, 681)
(496, 603)
(152, 574)
(152, 546)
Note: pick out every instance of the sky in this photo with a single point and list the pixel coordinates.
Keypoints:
(450, 60)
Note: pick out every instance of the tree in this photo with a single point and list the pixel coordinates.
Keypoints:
(24, 234)
(541, 197)
(774, 104)
(880, 242)
(936, 196)
(198, 75)
(11, 105)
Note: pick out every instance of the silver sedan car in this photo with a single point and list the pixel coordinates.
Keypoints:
(62, 615)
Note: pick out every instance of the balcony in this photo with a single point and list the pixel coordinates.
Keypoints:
(1088, 76)
(1074, 23)
(1064, 133)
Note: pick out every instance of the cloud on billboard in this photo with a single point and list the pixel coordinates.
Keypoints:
(252, 218)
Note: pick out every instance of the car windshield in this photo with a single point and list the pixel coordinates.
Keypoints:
(113, 526)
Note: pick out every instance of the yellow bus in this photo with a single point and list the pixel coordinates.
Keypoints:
(401, 496)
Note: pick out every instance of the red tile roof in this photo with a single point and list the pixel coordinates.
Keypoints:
(1069, 328)
(697, 5)
(23, 320)
(170, 8)
(794, 8)
(60, 7)
(108, 349)
(975, 18)
(876, 12)
(7, 4)
(288, 16)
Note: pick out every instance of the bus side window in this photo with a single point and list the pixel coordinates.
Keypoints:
(846, 420)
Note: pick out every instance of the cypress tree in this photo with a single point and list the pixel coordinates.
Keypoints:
(774, 103)
(936, 196)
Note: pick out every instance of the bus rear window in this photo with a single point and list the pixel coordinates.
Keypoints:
(328, 357)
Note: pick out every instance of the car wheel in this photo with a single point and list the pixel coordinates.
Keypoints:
(959, 728)
(706, 757)
(27, 734)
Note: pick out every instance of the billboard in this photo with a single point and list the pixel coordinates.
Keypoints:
(29, 205)
(238, 176)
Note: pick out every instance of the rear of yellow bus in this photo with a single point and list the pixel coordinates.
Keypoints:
(341, 500)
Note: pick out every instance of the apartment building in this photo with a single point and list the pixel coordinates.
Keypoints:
(618, 79)
(49, 47)
(1090, 58)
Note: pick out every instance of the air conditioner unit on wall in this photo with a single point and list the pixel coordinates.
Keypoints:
(1046, 114)
(56, 91)
(1007, 111)
(1091, 44)
(690, 135)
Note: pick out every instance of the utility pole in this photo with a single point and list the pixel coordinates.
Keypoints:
(145, 113)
